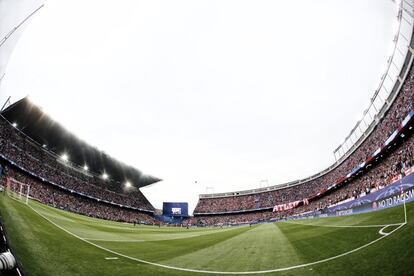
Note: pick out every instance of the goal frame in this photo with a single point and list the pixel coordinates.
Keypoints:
(21, 193)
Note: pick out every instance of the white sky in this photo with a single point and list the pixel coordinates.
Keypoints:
(226, 93)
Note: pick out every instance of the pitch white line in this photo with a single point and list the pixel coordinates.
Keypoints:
(217, 272)
(381, 231)
(111, 258)
(345, 226)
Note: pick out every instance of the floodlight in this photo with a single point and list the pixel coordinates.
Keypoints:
(14, 124)
(105, 176)
(128, 184)
(65, 157)
(85, 167)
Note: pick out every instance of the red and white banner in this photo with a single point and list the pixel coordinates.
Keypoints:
(395, 179)
(286, 206)
(409, 171)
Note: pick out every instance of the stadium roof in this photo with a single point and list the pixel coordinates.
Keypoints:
(40, 127)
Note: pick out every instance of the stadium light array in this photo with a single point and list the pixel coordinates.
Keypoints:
(105, 176)
(65, 157)
(128, 184)
(85, 167)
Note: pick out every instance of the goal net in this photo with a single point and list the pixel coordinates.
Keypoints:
(18, 190)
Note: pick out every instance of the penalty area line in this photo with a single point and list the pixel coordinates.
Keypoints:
(211, 271)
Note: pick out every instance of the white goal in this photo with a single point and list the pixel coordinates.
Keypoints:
(18, 190)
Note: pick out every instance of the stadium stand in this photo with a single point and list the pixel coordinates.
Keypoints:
(30, 152)
(59, 198)
(348, 180)
(63, 185)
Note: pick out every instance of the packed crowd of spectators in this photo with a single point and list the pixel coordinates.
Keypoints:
(65, 200)
(375, 178)
(234, 219)
(17, 147)
(402, 105)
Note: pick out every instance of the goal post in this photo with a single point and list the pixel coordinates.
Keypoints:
(18, 190)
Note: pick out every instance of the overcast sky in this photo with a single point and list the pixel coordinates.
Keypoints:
(226, 93)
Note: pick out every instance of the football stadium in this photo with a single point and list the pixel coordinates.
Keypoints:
(69, 208)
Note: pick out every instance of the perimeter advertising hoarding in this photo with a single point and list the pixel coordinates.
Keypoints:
(387, 197)
(382, 203)
(176, 209)
(381, 198)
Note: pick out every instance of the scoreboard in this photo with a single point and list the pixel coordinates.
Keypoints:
(175, 209)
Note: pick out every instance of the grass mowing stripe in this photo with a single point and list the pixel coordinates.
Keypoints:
(103, 240)
(218, 272)
(163, 250)
(97, 229)
(34, 241)
(264, 247)
(94, 232)
(160, 249)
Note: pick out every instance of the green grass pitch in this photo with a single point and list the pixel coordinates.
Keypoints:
(49, 241)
